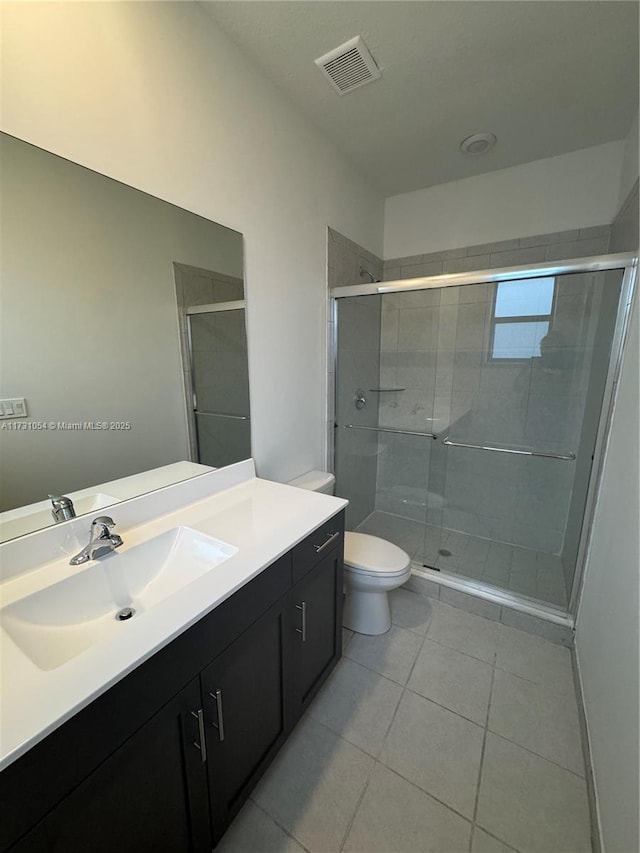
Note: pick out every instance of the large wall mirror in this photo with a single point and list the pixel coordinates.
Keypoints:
(123, 329)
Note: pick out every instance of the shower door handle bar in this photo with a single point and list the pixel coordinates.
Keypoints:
(387, 429)
(221, 415)
(569, 457)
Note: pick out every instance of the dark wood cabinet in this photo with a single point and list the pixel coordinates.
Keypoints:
(164, 760)
(34, 842)
(151, 794)
(247, 711)
(317, 641)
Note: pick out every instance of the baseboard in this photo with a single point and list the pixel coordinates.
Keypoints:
(592, 794)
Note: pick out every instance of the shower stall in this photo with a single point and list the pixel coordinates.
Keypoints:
(470, 415)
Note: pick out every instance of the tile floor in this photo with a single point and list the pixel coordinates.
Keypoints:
(448, 734)
(521, 570)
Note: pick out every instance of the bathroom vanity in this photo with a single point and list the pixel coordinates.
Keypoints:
(162, 756)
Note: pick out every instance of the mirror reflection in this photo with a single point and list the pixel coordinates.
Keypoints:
(123, 341)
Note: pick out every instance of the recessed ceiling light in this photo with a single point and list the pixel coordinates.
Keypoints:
(479, 143)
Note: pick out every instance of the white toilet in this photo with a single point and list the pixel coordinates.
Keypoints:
(372, 567)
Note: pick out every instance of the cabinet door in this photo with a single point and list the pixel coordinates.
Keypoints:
(246, 699)
(317, 638)
(35, 841)
(150, 795)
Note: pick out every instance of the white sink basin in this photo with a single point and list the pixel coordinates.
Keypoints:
(61, 621)
(17, 522)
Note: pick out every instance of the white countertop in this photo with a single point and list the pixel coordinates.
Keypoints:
(261, 518)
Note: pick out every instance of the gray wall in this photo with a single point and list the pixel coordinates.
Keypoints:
(625, 228)
(607, 636)
(607, 631)
(89, 321)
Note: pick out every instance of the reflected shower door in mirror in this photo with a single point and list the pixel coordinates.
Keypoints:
(483, 429)
(95, 279)
(219, 420)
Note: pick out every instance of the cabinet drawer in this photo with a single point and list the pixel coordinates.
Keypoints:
(317, 545)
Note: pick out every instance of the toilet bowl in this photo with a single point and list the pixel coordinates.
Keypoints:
(372, 567)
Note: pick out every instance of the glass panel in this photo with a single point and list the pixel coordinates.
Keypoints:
(511, 520)
(219, 362)
(222, 441)
(220, 380)
(358, 368)
(525, 298)
(518, 340)
(387, 349)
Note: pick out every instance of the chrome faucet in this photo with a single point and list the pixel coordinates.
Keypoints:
(101, 542)
(62, 508)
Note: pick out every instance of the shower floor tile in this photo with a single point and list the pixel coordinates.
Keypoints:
(520, 570)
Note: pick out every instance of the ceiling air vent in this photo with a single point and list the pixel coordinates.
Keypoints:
(349, 66)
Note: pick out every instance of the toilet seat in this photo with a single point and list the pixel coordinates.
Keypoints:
(374, 557)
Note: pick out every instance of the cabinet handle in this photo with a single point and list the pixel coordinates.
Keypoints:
(202, 746)
(303, 629)
(217, 698)
(332, 538)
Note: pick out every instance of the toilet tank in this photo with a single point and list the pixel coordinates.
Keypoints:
(315, 481)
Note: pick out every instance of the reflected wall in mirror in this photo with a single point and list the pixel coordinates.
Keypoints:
(98, 280)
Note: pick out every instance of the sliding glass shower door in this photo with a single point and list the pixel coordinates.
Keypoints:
(220, 385)
(471, 446)
(525, 372)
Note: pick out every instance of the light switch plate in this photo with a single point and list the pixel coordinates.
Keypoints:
(16, 407)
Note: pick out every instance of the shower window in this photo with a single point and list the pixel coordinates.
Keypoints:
(522, 312)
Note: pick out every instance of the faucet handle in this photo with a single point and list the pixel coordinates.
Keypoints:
(62, 508)
(59, 500)
(100, 527)
(104, 520)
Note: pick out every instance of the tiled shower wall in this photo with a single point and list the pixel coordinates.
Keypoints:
(561, 245)
(345, 259)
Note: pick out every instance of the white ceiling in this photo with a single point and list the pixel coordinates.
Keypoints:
(545, 77)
